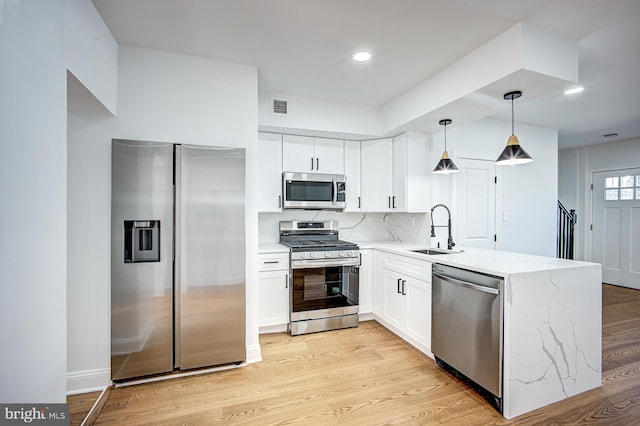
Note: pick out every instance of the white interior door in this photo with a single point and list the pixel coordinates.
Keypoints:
(476, 203)
(615, 240)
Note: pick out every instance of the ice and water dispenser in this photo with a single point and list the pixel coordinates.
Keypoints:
(141, 241)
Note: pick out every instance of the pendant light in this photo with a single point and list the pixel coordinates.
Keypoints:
(513, 153)
(445, 165)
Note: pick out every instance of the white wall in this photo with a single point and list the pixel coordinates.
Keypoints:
(39, 42)
(527, 193)
(320, 117)
(586, 161)
(33, 170)
(163, 97)
(88, 245)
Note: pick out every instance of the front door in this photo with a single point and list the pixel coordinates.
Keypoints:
(615, 239)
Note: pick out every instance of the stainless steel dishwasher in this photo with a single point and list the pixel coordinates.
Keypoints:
(466, 328)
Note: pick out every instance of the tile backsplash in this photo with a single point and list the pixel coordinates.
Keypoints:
(356, 227)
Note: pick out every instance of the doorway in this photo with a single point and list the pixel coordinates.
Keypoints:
(615, 237)
(476, 203)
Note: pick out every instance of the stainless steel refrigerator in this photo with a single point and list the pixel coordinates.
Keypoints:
(177, 258)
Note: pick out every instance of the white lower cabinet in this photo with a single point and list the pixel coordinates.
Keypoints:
(402, 298)
(365, 297)
(273, 292)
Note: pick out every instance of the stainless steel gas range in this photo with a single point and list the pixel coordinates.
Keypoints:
(324, 277)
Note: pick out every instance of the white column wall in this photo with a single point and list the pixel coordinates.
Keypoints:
(33, 175)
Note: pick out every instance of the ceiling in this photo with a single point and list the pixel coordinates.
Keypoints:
(305, 48)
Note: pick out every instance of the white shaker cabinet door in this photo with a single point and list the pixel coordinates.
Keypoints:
(329, 156)
(298, 154)
(352, 174)
(377, 175)
(273, 292)
(270, 172)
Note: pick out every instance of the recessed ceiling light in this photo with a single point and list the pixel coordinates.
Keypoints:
(362, 56)
(574, 90)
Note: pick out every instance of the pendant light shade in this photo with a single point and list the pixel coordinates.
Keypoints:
(445, 165)
(513, 153)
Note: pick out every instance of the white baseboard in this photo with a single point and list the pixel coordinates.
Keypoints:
(88, 381)
(279, 328)
(254, 354)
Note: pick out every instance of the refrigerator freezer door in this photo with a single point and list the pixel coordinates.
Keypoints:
(210, 257)
(141, 293)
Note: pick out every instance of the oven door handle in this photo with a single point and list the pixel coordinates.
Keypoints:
(306, 264)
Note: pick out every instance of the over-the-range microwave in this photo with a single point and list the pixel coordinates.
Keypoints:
(313, 191)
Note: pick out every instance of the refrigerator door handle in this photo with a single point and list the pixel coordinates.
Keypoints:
(177, 254)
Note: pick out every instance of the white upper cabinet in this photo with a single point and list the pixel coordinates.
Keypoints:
(394, 174)
(270, 172)
(304, 154)
(352, 173)
(377, 175)
(410, 173)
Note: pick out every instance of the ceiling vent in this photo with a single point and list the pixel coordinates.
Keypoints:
(279, 106)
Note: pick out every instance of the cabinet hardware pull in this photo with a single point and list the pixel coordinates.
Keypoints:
(403, 283)
(286, 281)
(389, 202)
(359, 203)
(393, 204)
(398, 290)
(317, 163)
(279, 201)
(271, 261)
(311, 163)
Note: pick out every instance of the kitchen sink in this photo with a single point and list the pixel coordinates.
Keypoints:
(436, 251)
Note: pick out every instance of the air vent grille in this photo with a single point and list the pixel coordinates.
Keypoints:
(279, 106)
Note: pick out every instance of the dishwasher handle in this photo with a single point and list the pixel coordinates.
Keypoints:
(467, 284)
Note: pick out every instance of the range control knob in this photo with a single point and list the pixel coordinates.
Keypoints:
(312, 255)
(349, 253)
(342, 254)
(327, 254)
(303, 255)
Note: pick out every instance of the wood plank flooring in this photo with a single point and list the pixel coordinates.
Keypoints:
(369, 376)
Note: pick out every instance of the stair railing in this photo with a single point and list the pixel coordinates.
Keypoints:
(566, 224)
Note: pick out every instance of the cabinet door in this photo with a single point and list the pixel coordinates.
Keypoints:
(270, 172)
(365, 293)
(273, 293)
(377, 175)
(377, 283)
(393, 299)
(329, 156)
(418, 310)
(352, 173)
(298, 154)
(399, 197)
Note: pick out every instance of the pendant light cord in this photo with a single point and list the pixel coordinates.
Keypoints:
(445, 137)
(512, 119)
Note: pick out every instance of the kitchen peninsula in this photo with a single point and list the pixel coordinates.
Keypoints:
(552, 320)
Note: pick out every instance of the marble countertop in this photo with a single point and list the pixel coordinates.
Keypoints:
(492, 262)
(269, 248)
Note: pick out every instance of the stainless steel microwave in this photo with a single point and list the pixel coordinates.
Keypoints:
(313, 191)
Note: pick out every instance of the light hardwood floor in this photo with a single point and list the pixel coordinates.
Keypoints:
(368, 376)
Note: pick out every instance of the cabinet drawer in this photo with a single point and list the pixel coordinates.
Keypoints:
(273, 261)
(415, 268)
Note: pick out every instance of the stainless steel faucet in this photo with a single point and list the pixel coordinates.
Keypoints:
(450, 243)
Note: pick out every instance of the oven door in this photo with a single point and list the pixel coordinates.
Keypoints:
(324, 291)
